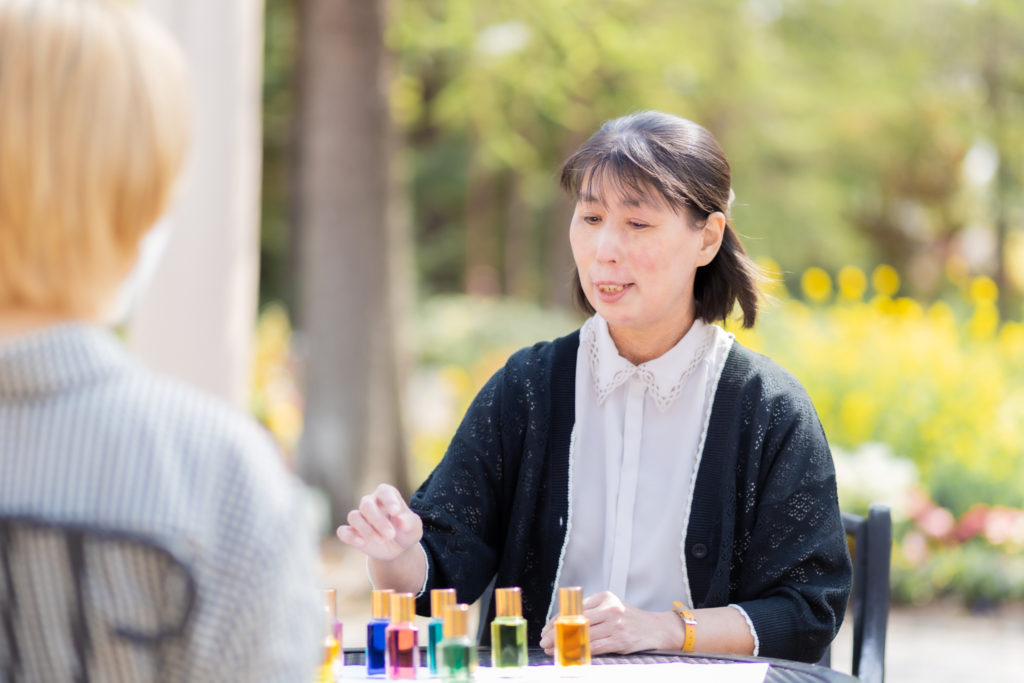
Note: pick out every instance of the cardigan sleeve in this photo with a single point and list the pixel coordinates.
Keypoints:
(460, 502)
(794, 571)
(765, 532)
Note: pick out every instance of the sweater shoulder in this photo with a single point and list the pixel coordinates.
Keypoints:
(541, 359)
(750, 373)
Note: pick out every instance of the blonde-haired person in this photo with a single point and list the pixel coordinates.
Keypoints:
(94, 130)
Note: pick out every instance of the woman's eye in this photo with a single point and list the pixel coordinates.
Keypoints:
(592, 220)
(638, 225)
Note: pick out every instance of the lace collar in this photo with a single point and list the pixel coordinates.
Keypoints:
(664, 376)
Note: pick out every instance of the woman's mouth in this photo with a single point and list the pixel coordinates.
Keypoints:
(611, 289)
(610, 292)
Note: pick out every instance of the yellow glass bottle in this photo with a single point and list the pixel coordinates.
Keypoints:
(508, 630)
(332, 647)
(572, 629)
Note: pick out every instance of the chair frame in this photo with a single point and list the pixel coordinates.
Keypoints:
(871, 550)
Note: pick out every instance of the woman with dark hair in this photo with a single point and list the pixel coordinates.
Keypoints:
(646, 457)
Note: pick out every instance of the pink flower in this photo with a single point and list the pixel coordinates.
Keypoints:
(972, 522)
(1004, 525)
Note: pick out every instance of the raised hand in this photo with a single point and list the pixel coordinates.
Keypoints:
(382, 526)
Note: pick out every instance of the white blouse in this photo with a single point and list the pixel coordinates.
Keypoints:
(634, 456)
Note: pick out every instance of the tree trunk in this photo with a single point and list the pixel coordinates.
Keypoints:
(352, 411)
(481, 233)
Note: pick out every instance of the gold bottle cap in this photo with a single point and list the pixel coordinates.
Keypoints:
(381, 603)
(439, 599)
(403, 607)
(456, 621)
(570, 601)
(509, 602)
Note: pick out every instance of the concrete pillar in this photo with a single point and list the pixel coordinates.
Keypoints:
(195, 319)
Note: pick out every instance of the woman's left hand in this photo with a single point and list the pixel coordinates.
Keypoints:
(616, 627)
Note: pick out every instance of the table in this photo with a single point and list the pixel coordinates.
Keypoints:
(779, 670)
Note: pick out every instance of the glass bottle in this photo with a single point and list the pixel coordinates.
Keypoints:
(332, 642)
(403, 648)
(456, 652)
(572, 629)
(508, 630)
(376, 644)
(439, 599)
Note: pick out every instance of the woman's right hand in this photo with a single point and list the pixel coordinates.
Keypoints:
(382, 526)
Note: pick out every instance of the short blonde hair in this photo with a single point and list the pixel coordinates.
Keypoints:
(93, 133)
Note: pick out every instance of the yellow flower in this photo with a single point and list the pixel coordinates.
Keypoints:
(852, 283)
(885, 280)
(984, 322)
(857, 415)
(983, 290)
(816, 284)
(907, 308)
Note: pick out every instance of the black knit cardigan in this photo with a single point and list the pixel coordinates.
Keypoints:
(765, 531)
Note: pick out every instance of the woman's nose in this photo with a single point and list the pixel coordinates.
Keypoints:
(609, 248)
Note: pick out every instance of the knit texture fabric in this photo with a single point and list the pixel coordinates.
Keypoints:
(765, 530)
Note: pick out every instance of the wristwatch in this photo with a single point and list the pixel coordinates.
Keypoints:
(689, 625)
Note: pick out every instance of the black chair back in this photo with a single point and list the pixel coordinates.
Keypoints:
(870, 541)
(80, 603)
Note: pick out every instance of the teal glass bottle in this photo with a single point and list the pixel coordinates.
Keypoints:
(440, 598)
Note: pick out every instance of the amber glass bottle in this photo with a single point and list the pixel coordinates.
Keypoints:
(572, 629)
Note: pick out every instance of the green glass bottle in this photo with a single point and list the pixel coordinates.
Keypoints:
(456, 652)
(508, 630)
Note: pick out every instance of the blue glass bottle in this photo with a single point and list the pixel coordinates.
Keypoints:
(439, 599)
(376, 640)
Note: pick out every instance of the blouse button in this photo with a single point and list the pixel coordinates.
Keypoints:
(699, 550)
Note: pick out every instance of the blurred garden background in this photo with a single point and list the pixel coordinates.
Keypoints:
(413, 233)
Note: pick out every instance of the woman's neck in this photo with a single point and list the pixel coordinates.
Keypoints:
(640, 346)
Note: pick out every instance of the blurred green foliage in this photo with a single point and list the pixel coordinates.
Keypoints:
(859, 132)
(847, 123)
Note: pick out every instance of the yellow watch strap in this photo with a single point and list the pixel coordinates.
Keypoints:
(689, 625)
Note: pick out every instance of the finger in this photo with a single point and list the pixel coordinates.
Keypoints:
(604, 630)
(604, 646)
(373, 514)
(547, 640)
(409, 530)
(390, 499)
(407, 521)
(371, 534)
(350, 536)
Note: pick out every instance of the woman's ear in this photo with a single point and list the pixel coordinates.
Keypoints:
(711, 236)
